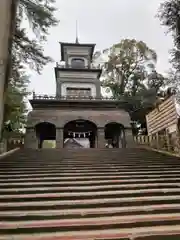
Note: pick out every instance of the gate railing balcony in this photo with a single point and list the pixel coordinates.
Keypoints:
(69, 97)
(74, 66)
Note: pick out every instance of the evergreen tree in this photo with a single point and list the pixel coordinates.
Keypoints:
(40, 15)
(26, 51)
(169, 15)
(15, 105)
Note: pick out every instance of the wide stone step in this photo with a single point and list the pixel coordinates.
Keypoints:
(91, 223)
(89, 160)
(90, 188)
(116, 172)
(89, 178)
(134, 201)
(91, 194)
(55, 170)
(88, 183)
(114, 193)
(89, 212)
(94, 165)
(92, 158)
(141, 233)
(12, 170)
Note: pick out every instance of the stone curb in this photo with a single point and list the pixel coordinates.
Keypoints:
(8, 153)
(161, 151)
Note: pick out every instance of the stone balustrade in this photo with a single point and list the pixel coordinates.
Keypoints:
(168, 142)
(91, 66)
(70, 97)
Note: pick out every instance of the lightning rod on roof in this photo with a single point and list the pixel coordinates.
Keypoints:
(77, 39)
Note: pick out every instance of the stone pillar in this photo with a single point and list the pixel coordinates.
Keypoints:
(150, 141)
(130, 143)
(3, 146)
(159, 140)
(122, 139)
(98, 89)
(59, 138)
(58, 89)
(168, 144)
(176, 141)
(31, 140)
(101, 138)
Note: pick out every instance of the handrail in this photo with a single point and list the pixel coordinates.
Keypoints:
(91, 66)
(165, 142)
(70, 97)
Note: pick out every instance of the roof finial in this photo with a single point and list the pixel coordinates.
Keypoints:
(77, 39)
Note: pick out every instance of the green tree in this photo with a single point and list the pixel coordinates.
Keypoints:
(169, 15)
(27, 51)
(40, 15)
(15, 104)
(129, 73)
(126, 68)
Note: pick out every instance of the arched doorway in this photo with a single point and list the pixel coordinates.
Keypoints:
(115, 135)
(45, 132)
(83, 132)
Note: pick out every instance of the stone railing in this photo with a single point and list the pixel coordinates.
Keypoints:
(10, 144)
(91, 66)
(70, 97)
(160, 142)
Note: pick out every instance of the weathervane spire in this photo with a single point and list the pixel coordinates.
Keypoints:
(77, 39)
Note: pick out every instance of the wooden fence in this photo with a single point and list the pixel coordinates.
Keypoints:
(162, 117)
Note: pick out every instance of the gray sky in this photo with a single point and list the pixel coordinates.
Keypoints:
(103, 22)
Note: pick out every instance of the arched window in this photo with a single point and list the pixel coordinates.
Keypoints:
(78, 63)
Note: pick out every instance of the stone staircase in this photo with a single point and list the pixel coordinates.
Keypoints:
(89, 194)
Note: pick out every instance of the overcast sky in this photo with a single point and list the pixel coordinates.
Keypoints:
(103, 22)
